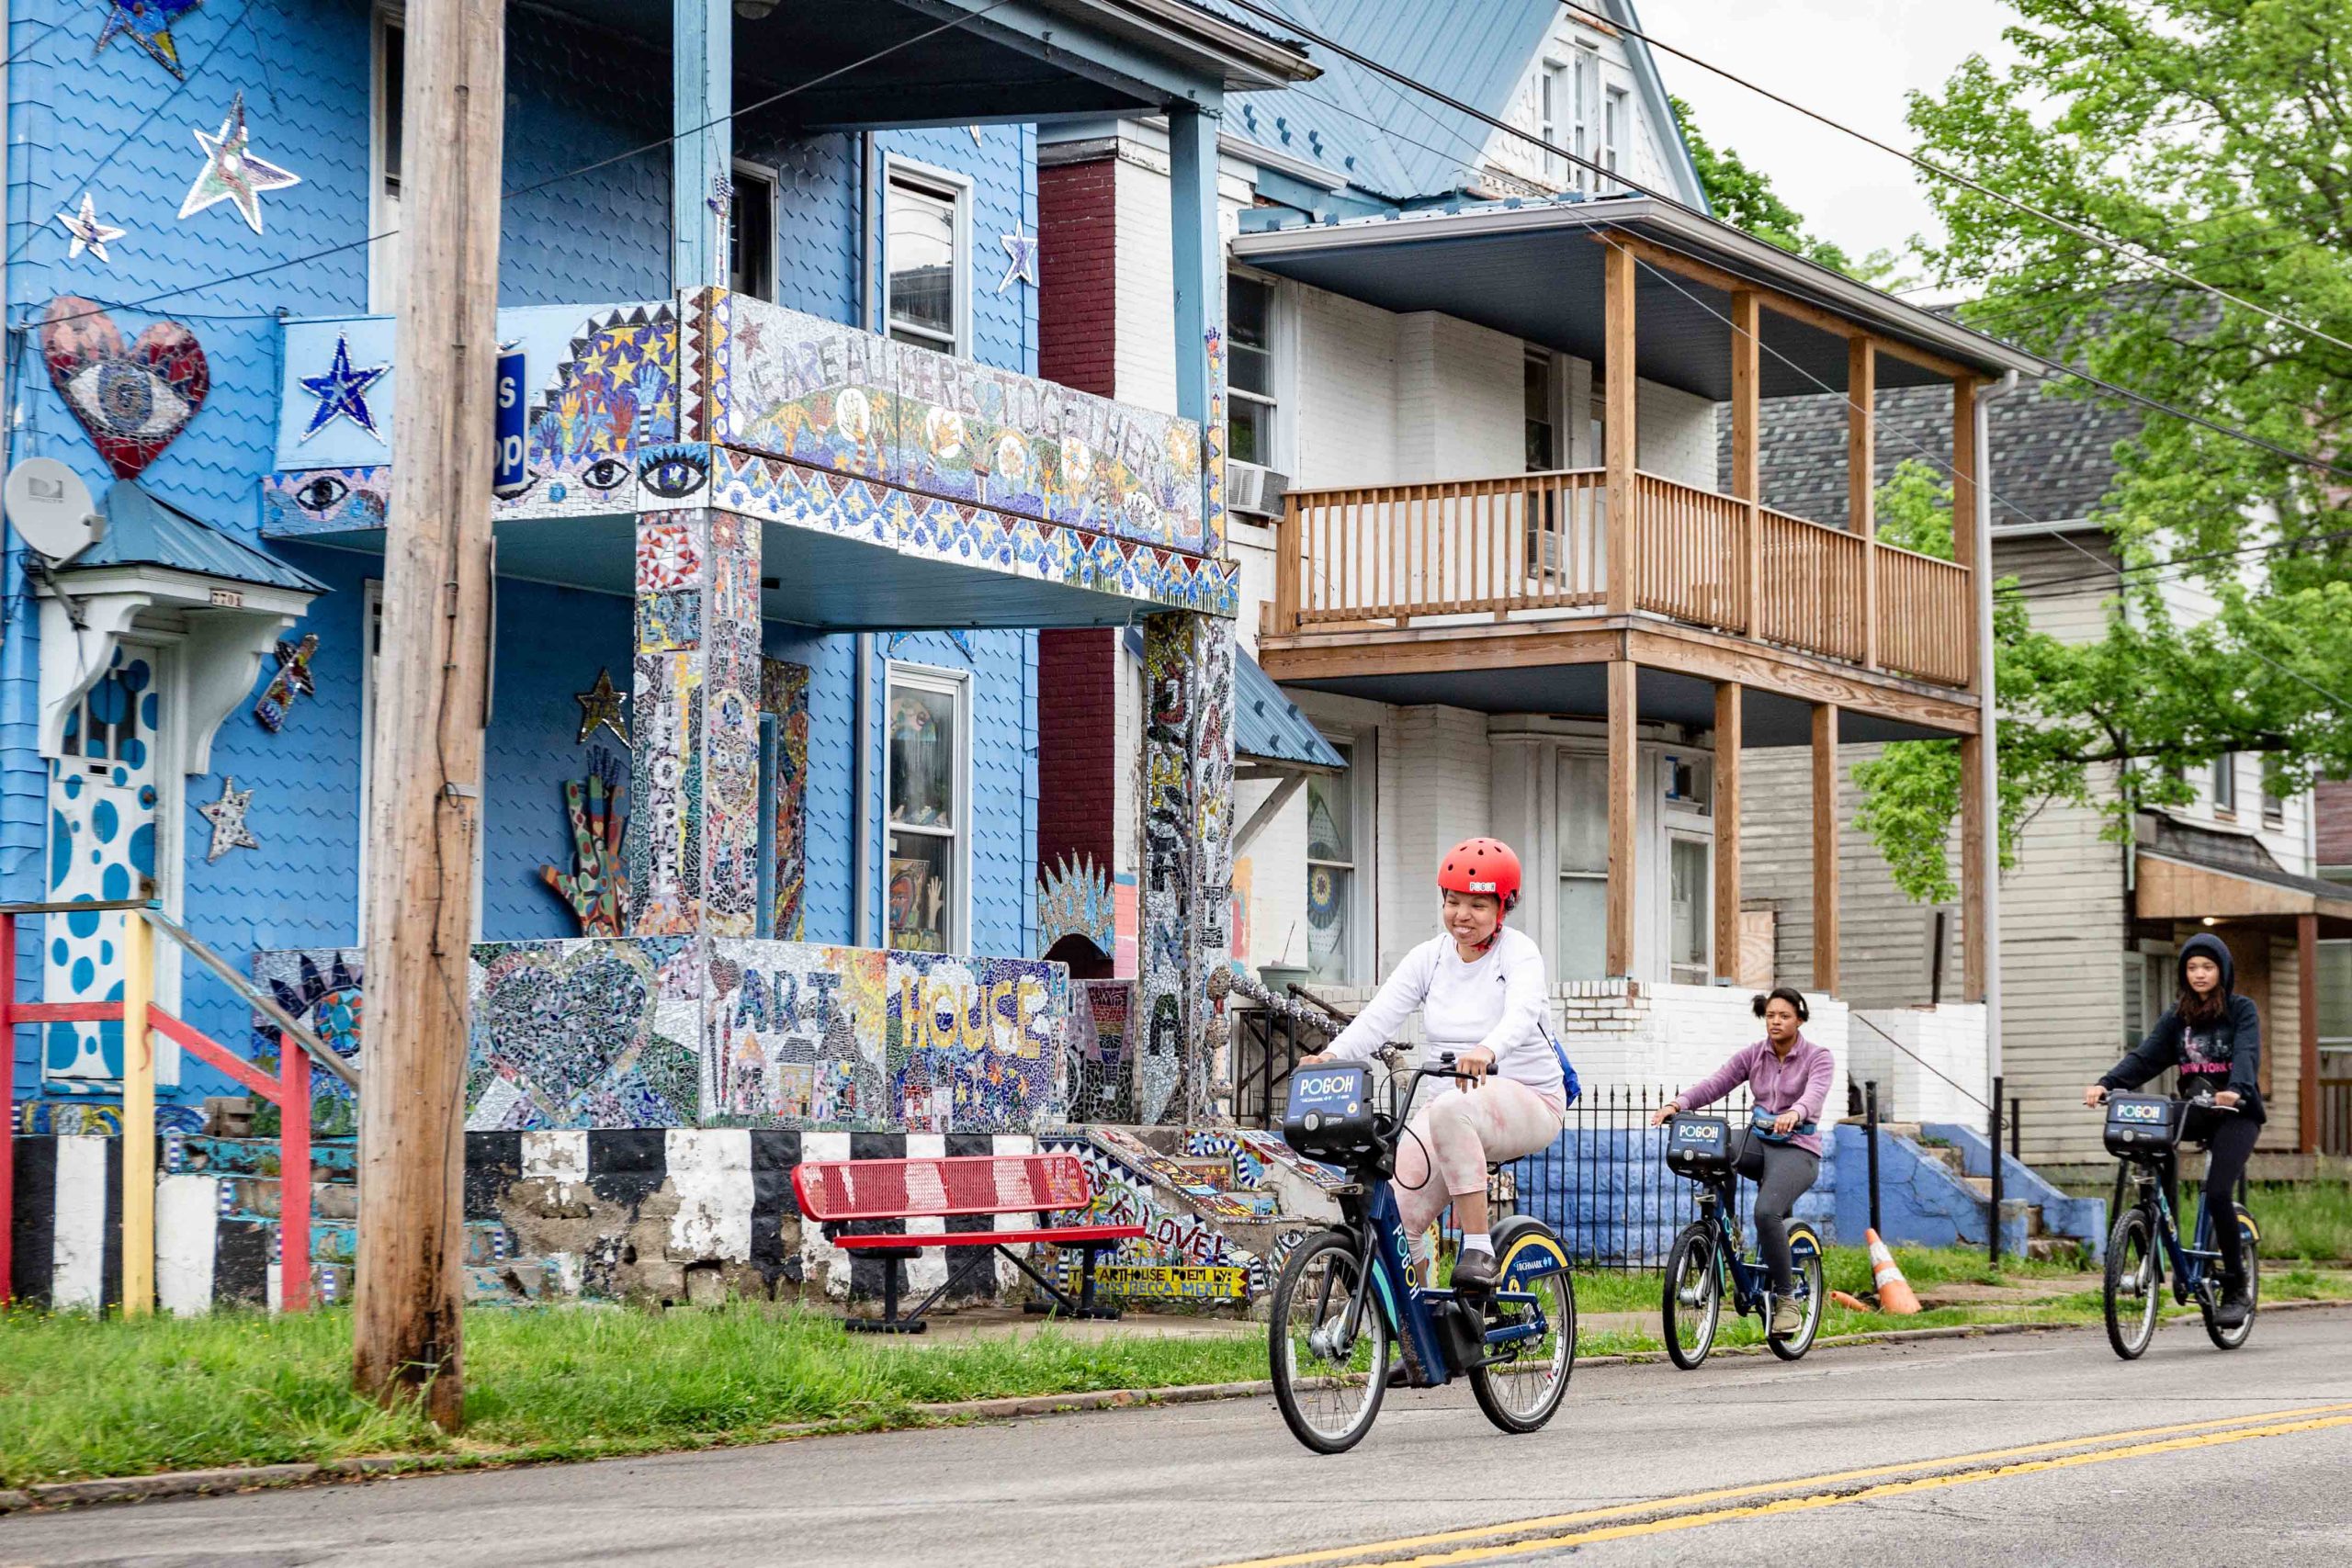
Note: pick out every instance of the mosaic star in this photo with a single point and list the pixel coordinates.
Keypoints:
(89, 233)
(342, 392)
(1022, 250)
(147, 24)
(600, 708)
(227, 816)
(232, 173)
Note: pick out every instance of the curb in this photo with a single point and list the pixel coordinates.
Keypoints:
(251, 1478)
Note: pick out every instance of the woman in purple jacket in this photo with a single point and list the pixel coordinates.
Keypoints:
(1788, 1078)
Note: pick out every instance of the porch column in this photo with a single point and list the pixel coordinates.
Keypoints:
(1624, 818)
(1728, 743)
(1862, 447)
(1975, 881)
(1619, 451)
(1198, 257)
(701, 61)
(1747, 390)
(1187, 859)
(1825, 848)
(694, 832)
(2307, 1016)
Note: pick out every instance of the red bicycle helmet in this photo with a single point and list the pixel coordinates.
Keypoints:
(1481, 865)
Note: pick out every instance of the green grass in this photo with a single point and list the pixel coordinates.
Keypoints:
(2304, 1219)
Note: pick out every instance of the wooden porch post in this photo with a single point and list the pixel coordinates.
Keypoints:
(1825, 848)
(1747, 382)
(1728, 743)
(1624, 818)
(2307, 1014)
(1617, 371)
(1975, 879)
(1861, 446)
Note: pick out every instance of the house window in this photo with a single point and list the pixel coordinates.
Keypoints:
(1586, 140)
(1690, 877)
(1552, 90)
(2274, 804)
(1583, 818)
(384, 189)
(1612, 129)
(2225, 784)
(2148, 986)
(2336, 1002)
(750, 233)
(1542, 425)
(925, 241)
(1249, 371)
(925, 795)
(1331, 872)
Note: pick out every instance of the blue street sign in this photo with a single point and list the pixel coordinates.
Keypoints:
(512, 476)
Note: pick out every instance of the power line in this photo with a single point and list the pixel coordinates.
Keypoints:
(2086, 232)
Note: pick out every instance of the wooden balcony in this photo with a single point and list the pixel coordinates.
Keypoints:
(1533, 548)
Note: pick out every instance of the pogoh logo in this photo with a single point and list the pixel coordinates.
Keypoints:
(2140, 1111)
(1481, 888)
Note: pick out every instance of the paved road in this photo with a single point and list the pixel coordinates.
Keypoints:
(2016, 1451)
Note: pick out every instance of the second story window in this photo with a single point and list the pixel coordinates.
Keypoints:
(1551, 118)
(1585, 138)
(1614, 122)
(384, 211)
(1542, 425)
(1249, 371)
(750, 233)
(2225, 784)
(924, 241)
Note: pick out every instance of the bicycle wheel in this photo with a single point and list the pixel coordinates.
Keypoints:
(1329, 1389)
(2230, 1339)
(1694, 1296)
(1804, 1257)
(2134, 1283)
(1521, 1394)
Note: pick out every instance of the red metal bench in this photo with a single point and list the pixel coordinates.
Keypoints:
(838, 1194)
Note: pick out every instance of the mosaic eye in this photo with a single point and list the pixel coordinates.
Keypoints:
(604, 473)
(321, 494)
(670, 472)
(132, 403)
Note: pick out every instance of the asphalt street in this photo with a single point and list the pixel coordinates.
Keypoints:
(2017, 1450)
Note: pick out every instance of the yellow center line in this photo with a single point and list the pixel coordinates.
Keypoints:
(2180, 1434)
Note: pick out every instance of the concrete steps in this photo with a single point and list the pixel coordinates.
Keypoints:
(2020, 1217)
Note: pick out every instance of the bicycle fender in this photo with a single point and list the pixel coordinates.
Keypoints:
(1803, 1236)
(1527, 1250)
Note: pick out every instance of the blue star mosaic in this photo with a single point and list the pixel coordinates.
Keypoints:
(342, 392)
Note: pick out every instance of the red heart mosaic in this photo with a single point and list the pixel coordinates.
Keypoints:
(132, 399)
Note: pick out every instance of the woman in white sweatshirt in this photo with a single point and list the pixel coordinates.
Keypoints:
(1481, 994)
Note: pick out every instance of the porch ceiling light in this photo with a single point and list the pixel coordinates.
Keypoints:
(754, 10)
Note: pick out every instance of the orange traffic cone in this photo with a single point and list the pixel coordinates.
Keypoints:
(1893, 1291)
(1850, 1301)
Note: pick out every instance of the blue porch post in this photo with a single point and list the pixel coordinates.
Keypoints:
(1199, 258)
(702, 69)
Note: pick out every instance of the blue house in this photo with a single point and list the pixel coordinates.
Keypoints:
(784, 509)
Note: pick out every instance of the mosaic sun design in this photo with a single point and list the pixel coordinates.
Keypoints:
(613, 400)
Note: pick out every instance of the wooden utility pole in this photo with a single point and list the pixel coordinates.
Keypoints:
(433, 671)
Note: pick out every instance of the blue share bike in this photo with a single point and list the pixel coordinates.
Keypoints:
(1346, 1294)
(1705, 1263)
(2144, 1132)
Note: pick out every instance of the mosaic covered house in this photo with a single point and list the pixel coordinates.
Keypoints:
(783, 506)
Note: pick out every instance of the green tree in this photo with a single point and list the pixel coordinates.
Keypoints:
(2211, 132)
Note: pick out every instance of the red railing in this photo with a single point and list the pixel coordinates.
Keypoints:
(290, 1091)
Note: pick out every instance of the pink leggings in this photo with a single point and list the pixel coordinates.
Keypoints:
(1466, 1130)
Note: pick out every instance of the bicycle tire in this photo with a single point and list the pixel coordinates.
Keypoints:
(1694, 1249)
(1336, 1251)
(2230, 1339)
(1804, 1252)
(2132, 1257)
(1492, 1385)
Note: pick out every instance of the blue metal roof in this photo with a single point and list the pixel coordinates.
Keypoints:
(144, 531)
(1267, 725)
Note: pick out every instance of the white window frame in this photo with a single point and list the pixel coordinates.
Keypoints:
(943, 185)
(1677, 835)
(759, 174)
(1585, 110)
(1554, 399)
(383, 212)
(1553, 86)
(1277, 371)
(1361, 749)
(2223, 785)
(372, 610)
(1616, 105)
(898, 674)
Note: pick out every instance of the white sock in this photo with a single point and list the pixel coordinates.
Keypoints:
(1478, 1241)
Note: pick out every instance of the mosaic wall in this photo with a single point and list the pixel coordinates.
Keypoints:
(975, 1044)
(795, 1036)
(324, 989)
(1187, 861)
(830, 397)
(1182, 1255)
(588, 1033)
(783, 698)
(693, 837)
(1101, 1071)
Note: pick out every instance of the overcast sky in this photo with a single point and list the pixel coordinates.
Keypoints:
(1854, 60)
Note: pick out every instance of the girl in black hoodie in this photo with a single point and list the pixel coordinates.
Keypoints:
(2214, 1037)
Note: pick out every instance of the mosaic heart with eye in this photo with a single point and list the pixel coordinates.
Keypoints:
(132, 399)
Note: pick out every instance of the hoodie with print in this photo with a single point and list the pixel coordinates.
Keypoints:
(2223, 1054)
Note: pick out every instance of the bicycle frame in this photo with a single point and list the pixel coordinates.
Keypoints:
(2188, 1263)
(1750, 1282)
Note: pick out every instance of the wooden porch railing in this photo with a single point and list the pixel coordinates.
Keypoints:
(1396, 555)
(1927, 616)
(1472, 547)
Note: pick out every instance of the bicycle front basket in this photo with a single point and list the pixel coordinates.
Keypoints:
(2141, 1124)
(1699, 1146)
(1330, 1112)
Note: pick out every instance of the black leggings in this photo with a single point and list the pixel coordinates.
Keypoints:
(2230, 1144)
(1783, 1173)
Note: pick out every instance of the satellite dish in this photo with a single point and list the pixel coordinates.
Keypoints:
(51, 509)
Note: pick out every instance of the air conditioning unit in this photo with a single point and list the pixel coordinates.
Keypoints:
(1259, 491)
